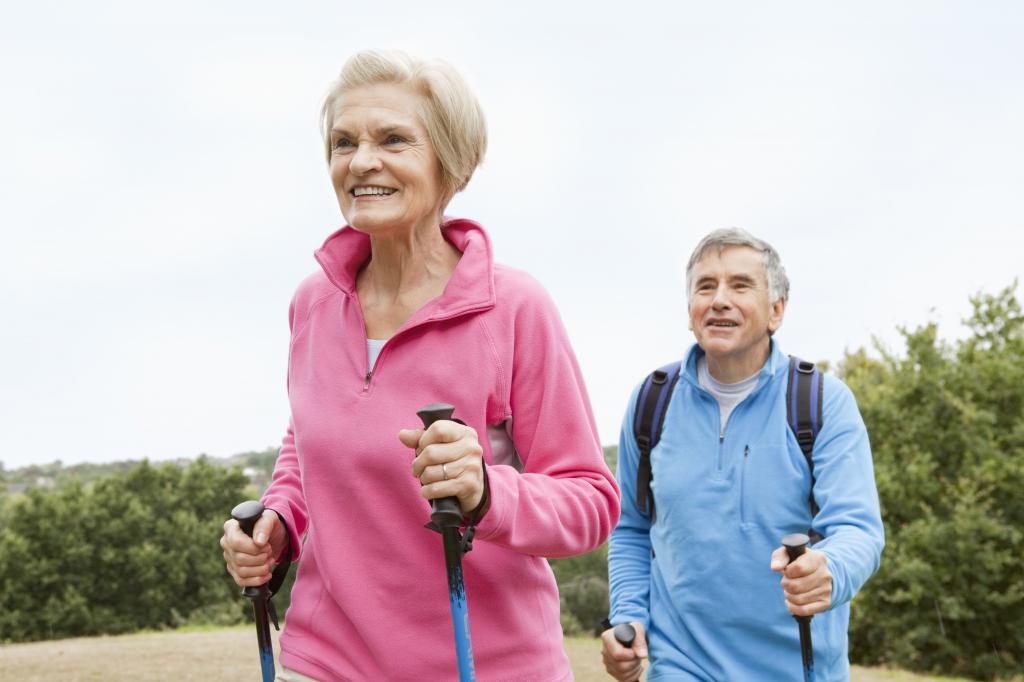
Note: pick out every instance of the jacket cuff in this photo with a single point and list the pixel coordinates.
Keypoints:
(283, 512)
(840, 584)
(500, 492)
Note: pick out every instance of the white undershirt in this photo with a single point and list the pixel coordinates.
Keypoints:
(727, 395)
(373, 347)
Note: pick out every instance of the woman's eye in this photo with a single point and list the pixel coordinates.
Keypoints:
(342, 143)
(394, 139)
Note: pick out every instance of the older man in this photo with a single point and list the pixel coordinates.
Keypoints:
(692, 559)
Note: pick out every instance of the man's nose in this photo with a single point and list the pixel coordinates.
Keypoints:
(721, 298)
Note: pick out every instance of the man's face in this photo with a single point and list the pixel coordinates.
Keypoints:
(729, 310)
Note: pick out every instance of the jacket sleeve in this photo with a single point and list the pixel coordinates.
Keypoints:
(565, 501)
(849, 515)
(284, 494)
(629, 550)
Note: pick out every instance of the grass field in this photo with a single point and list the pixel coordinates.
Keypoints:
(229, 655)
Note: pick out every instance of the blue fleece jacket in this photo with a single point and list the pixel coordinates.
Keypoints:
(699, 577)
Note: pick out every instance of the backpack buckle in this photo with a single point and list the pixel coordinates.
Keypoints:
(805, 367)
(659, 377)
(805, 436)
(644, 443)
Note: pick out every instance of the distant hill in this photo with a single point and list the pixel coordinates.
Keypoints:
(257, 466)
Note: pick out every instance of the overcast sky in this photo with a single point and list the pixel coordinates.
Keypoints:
(163, 187)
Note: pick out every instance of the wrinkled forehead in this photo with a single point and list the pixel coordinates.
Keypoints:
(399, 103)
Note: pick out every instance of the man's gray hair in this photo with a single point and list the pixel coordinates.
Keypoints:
(778, 283)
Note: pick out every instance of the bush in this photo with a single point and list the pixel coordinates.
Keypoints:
(583, 587)
(947, 429)
(136, 550)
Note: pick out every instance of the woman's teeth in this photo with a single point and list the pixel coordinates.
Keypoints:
(364, 191)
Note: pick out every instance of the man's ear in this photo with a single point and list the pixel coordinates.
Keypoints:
(775, 315)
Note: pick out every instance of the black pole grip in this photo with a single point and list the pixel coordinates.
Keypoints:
(625, 634)
(796, 545)
(247, 514)
(445, 511)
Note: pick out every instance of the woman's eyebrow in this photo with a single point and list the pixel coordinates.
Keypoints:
(388, 129)
(380, 131)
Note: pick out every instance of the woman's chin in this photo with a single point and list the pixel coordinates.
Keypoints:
(381, 223)
(371, 224)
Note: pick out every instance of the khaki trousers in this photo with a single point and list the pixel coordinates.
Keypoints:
(286, 675)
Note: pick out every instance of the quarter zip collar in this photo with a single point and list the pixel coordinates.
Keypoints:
(775, 365)
(470, 288)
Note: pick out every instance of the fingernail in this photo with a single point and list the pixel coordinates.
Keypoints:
(260, 538)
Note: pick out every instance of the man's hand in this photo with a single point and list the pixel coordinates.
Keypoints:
(806, 582)
(621, 663)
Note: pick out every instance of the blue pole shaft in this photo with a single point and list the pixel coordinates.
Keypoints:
(266, 645)
(459, 607)
(447, 517)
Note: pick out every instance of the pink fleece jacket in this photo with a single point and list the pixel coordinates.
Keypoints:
(371, 598)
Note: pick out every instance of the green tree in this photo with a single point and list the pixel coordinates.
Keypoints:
(136, 550)
(947, 428)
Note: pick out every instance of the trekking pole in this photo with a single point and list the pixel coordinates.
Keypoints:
(446, 517)
(247, 514)
(625, 634)
(796, 545)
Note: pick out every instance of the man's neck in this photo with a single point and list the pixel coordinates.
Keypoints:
(730, 369)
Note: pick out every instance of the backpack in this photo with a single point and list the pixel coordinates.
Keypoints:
(803, 413)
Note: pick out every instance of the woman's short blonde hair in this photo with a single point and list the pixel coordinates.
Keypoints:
(451, 113)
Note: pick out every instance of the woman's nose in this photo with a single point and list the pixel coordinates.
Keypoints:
(365, 160)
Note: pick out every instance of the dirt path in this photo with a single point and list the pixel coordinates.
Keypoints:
(221, 656)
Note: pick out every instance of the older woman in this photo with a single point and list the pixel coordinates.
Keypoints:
(409, 309)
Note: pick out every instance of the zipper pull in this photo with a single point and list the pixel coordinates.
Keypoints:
(366, 381)
(746, 450)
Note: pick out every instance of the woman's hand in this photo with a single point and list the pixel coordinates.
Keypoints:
(250, 560)
(449, 462)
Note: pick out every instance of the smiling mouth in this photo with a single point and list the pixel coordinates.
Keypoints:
(372, 191)
(722, 325)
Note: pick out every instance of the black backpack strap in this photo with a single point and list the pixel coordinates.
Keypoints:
(803, 413)
(648, 419)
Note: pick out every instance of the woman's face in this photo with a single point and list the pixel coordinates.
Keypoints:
(383, 167)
